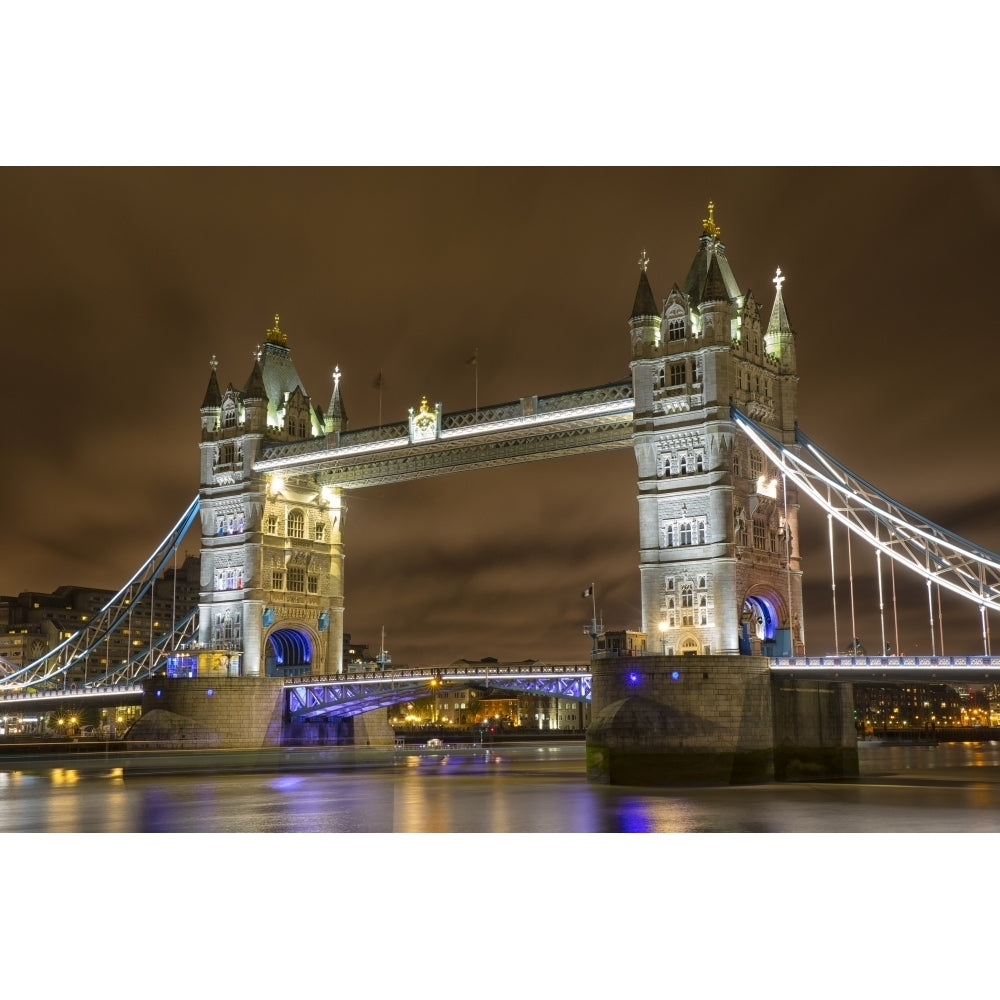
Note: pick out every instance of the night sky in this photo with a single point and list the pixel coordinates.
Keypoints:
(120, 284)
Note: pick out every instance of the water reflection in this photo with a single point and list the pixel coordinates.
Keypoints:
(520, 789)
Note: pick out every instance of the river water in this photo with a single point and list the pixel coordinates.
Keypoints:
(949, 788)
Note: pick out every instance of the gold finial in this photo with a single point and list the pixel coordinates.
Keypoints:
(276, 335)
(424, 405)
(643, 260)
(708, 226)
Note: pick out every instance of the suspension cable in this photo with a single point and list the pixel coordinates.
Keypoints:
(850, 580)
(833, 575)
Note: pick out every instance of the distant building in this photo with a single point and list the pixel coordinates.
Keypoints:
(33, 623)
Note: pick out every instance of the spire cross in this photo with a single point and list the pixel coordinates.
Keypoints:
(643, 260)
(336, 377)
(256, 353)
(778, 280)
(214, 362)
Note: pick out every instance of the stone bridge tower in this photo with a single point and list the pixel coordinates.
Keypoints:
(272, 558)
(718, 526)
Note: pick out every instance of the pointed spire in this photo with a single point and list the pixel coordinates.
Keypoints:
(254, 389)
(336, 411)
(710, 250)
(645, 301)
(778, 322)
(213, 397)
(715, 283)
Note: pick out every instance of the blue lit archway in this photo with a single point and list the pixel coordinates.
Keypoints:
(759, 621)
(289, 653)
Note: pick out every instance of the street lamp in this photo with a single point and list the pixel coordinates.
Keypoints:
(663, 637)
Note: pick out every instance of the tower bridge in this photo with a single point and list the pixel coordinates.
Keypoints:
(711, 412)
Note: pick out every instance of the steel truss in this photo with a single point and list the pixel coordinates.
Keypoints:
(337, 697)
(932, 552)
(52, 668)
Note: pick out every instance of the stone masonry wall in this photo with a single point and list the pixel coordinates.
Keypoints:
(233, 712)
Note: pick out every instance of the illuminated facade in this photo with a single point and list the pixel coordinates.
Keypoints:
(718, 526)
(271, 551)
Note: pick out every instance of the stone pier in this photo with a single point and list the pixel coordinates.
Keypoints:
(239, 713)
(714, 720)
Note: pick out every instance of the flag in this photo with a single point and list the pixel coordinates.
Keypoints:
(589, 592)
(377, 384)
(474, 360)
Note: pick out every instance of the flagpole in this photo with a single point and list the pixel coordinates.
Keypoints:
(474, 361)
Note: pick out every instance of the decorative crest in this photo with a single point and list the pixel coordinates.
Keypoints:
(643, 260)
(708, 226)
(778, 280)
(275, 335)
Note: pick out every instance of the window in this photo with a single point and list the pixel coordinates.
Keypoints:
(277, 580)
(296, 524)
(685, 533)
(229, 417)
(699, 462)
(697, 370)
(701, 532)
(687, 596)
(319, 532)
(736, 465)
(677, 374)
(272, 524)
(756, 463)
(296, 579)
(670, 535)
(313, 584)
(684, 465)
(675, 328)
(759, 535)
(661, 378)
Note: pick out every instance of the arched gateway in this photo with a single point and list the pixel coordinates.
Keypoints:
(718, 527)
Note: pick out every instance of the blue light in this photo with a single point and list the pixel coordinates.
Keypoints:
(210, 692)
(158, 692)
(633, 678)
(675, 675)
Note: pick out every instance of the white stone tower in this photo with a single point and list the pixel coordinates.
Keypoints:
(718, 527)
(272, 558)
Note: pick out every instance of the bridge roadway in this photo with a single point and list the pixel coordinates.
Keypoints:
(354, 693)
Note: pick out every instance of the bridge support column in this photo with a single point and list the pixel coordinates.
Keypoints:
(712, 720)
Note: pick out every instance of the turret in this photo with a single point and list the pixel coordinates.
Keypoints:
(644, 323)
(212, 403)
(336, 414)
(780, 338)
(255, 400)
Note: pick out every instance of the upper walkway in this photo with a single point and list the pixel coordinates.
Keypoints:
(434, 444)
